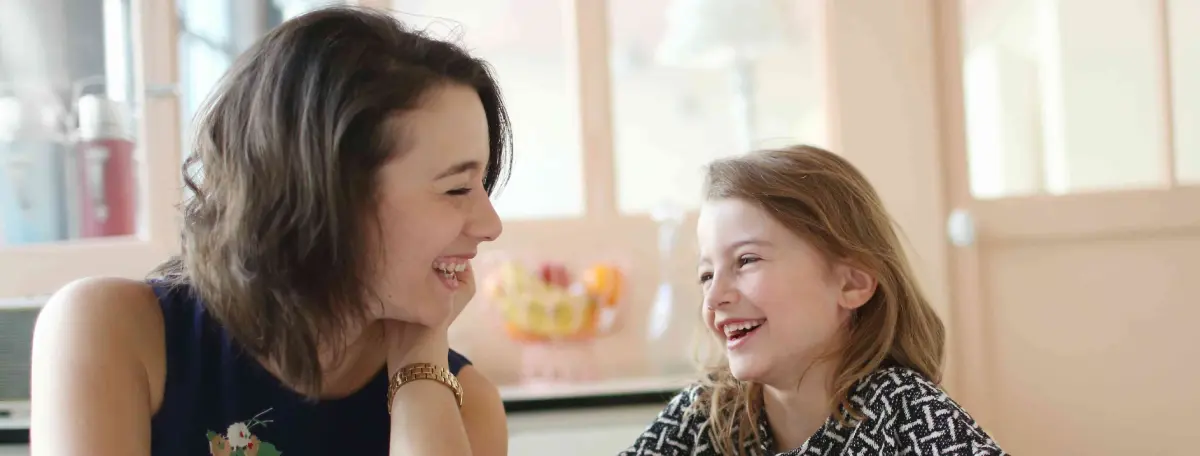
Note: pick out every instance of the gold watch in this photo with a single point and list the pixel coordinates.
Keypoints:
(423, 371)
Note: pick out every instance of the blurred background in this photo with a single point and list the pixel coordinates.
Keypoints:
(1042, 158)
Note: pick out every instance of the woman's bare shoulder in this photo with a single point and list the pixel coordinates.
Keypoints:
(117, 306)
(115, 321)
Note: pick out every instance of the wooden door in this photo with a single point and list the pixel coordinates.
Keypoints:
(1076, 257)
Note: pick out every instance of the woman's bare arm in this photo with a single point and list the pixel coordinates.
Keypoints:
(483, 414)
(98, 367)
(426, 420)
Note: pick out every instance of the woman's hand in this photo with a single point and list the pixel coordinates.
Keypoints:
(409, 342)
(424, 417)
(463, 295)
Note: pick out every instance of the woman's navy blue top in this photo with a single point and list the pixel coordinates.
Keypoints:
(218, 400)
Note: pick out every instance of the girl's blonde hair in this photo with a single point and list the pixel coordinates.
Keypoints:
(825, 200)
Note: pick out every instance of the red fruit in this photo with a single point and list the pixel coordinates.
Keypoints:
(555, 274)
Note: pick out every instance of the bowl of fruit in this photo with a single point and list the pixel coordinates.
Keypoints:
(544, 301)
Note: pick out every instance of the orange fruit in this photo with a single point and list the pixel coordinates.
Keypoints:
(605, 283)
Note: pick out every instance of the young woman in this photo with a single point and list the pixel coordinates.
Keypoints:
(347, 163)
(830, 347)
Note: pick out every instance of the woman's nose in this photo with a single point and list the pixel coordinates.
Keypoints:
(485, 224)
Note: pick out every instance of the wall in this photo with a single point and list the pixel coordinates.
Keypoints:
(885, 118)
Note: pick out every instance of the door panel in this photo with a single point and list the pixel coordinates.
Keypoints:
(1090, 342)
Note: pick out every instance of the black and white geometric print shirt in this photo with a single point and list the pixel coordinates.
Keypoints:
(904, 415)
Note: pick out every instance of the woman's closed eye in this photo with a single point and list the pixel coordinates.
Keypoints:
(459, 191)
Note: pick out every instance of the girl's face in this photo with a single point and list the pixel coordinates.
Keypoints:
(433, 209)
(770, 296)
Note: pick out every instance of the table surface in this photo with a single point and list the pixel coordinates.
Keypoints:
(536, 397)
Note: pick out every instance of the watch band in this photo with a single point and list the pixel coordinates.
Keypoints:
(423, 371)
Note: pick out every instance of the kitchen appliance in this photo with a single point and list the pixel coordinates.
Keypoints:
(103, 161)
(17, 318)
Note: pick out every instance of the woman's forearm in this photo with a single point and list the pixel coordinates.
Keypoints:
(426, 421)
(425, 414)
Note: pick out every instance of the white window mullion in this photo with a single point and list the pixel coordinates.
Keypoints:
(591, 61)
(156, 61)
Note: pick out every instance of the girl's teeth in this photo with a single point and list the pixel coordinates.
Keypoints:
(733, 328)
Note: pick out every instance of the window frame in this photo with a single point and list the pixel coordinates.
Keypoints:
(157, 81)
(37, 270)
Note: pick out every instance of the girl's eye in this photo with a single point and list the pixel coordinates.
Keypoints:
(747, 260)
(705, 277)
(459, 191)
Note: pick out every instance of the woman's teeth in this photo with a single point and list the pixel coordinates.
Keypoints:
(450, 270)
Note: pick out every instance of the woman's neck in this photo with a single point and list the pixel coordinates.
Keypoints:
(362, 357)
(798, 408)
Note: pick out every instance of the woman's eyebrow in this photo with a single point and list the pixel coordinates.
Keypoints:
(459, 168)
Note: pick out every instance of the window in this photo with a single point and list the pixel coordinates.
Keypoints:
(526, 42)
(1065, 97)
(206, 50)
(1184, 39)
(80, 115)
(669, 113)
(212, 33)
(68, 136)
(693, 81)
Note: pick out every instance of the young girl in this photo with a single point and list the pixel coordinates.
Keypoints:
(830, 346)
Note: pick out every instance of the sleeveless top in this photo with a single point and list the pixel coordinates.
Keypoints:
(218, 400)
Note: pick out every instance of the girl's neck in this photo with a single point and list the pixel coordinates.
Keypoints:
(798, 408)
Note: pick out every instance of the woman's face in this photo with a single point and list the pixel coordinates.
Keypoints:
(770, 296)
(433, 209)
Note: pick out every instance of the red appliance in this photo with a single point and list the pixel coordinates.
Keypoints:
(106, 169)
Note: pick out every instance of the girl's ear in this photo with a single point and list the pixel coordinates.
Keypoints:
(857, 286)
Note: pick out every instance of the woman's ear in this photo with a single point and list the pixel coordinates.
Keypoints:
(857, 286)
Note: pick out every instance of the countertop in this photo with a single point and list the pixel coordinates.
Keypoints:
(538, 398)
(604, 393)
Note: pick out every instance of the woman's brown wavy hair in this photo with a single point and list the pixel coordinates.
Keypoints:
(825, 200)
(287, 149)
